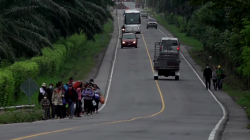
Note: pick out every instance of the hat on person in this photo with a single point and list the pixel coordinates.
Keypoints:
(44, 85)
(219, 66)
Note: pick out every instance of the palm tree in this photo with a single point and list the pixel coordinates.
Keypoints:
(27, 26)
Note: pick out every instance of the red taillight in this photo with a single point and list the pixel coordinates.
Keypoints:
(178, 48)
(160, 47)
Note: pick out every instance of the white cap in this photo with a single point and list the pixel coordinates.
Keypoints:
(44, 85)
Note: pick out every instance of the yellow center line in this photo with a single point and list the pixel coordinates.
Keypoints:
(112, 122)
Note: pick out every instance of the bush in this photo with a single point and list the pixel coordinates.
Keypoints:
(20, 116)
(7, 83)
(22, 71)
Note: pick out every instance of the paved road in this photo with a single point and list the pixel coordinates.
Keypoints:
(138, 107)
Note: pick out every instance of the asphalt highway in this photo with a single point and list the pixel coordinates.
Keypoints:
(138, 107)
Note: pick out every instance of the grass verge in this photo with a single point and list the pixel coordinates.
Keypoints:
(78, 67)
(197, 53)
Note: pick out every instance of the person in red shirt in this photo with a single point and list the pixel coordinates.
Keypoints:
(71, 80)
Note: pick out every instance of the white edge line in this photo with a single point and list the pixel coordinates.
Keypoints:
(213, 132)
(112, 68)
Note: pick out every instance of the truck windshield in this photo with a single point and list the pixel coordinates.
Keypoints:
(169, 45)
(132, 18)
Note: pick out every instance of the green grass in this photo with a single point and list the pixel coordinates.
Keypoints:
(77, 67)
(231, 86)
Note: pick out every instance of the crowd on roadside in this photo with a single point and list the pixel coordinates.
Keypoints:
(72, 99)
(216, 74)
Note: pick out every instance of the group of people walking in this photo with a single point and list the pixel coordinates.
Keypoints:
(217, 75)
(70, 99)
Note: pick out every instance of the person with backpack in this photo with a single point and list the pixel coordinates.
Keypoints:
(88, 95)
(71, 97)
(214, 76)
(97, 94)
(220, 77)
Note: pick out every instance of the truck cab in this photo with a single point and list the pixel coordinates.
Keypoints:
(167, 58)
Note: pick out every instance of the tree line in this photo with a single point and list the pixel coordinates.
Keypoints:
(223, 28)
(28, 26)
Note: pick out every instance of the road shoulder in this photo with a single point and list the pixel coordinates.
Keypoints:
(234, 126)
(105, 65)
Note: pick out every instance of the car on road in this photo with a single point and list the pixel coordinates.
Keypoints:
(129, 40)
(152, 23)
(144, 13)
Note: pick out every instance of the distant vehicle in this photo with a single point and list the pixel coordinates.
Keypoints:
(132, 21)
(144, 13)
(167, 58)
(152, 23)
(129, 40)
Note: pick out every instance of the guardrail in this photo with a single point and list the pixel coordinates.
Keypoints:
(17, 107)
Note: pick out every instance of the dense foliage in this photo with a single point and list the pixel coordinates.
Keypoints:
(27, 26)
(223, 27)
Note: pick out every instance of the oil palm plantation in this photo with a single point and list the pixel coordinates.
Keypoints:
(27, 26)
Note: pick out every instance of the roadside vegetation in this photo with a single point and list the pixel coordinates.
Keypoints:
(216, 28)
(49, 41)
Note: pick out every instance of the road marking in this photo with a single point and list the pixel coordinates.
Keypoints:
(112, 68)
(112, 122)
(213, 132)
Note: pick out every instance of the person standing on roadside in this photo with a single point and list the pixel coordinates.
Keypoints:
(78, 102)
(57, 101)
(71, 80)
(88, 95)
(71, 97)
(214, 78)
(45, 103)
(49, 92)
(220, 76)
(42, 92)
(207, 74)
(96, 98)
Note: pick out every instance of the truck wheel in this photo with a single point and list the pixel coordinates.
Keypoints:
(156, 27)
(122, 47)
(136, 46)
(155, 77)
(176, 77)
(147, 27)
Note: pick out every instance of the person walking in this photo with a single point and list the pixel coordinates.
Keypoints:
(220, 76)
(214, 76)
(78, 102)
(45, 103)
(88, 95)
(71, 98)
(51, 110)
(207, 74)
(97, 95)
(42, 92)
(57, 96)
